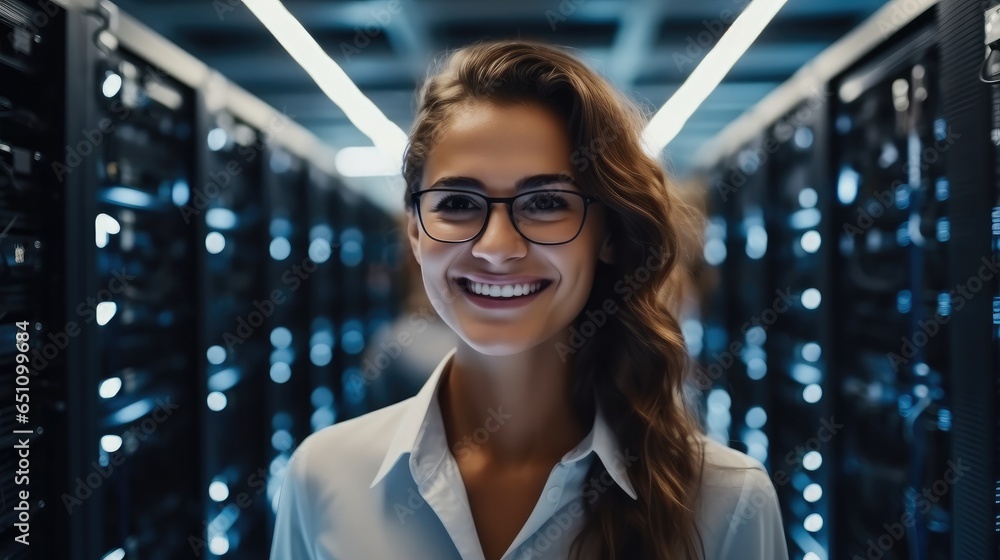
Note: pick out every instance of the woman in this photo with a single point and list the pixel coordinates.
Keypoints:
(557, 427)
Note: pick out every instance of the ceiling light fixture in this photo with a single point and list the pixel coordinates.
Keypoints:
(670, 119)
(361, 111)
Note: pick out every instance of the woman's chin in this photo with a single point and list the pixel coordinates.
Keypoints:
(492, 343)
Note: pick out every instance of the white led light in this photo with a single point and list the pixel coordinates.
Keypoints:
(110, 387)
(216, 139)
(812, 393)
(756, 241)
(806, 374)
(111, 443)
(215, 242)
(104, 226)
(281, 440)
(112, 84)
(756, 417)
(216, 401)
(812, 460)
(811, 298)
(813, 522)
(216, 355)
(719, 401)
(220, 218)
(105, 311)
(320, 354)
(811, 241)
(281, 337)
(847, 185)
(808, 197)
(218, 491)
(319, 250)
(280, 248)
(756, 369)
(811, 352)
(280, 372)
(116, 554)
(812, 492)
(219, 545)
(180, 193)
(715, 252)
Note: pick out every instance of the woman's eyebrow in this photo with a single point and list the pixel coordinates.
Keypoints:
(530, 182)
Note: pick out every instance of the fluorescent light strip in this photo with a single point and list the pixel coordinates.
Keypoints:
(389, 138)
(670, 119)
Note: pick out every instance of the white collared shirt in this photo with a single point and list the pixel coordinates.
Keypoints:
(385, 486)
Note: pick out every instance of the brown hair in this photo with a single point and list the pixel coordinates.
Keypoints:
(638, 362)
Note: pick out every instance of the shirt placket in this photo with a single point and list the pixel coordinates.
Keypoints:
(548, 503)
(445, 493)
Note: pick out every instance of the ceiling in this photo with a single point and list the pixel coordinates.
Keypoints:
(645, 47)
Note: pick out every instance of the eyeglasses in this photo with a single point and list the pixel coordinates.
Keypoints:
(544, 216)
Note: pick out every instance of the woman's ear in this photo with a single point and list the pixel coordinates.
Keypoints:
(413, 233)
(608, 250)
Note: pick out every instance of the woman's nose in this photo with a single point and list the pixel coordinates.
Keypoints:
(500, 240)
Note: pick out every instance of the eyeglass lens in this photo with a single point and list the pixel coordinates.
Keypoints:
(543, 216)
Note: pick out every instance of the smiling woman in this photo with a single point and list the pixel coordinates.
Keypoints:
(527, 441)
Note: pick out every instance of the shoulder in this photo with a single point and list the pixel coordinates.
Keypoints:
(738, 510)
(728, 467)
(348, 451)
(326, 481)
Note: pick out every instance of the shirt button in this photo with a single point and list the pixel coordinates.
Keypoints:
(554, 494)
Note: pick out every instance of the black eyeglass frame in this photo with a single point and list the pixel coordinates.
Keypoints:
(509, 201)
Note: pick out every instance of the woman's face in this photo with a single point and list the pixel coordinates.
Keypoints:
(498, 146)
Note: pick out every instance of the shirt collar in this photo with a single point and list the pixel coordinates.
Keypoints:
(422, 417)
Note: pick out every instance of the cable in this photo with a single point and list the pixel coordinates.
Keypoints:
(101, 12)
(983, 77)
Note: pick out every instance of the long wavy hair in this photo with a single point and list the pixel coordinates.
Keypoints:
(637, 362)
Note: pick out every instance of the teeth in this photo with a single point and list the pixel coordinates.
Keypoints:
(508, 291)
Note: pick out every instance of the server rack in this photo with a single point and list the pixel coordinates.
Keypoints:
(131, 414)
(739, 352)
(289, 275)
(975, 382)
(128, 269)
(804, 426)
(325, 299)
(910, 349)
(890, 267)
(33, 319)
(227, 209)
(353, 330)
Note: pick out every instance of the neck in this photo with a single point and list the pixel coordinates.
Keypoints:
(510, 410)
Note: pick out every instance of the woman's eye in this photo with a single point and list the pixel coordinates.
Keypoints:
(544, 202)
(547, 202)
(455, 202)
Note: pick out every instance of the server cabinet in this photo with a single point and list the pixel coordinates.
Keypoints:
(972, 204)
(135, 422)
(33, 318)
(804, 428)
(353, 329)
(170, 283)
(325, 299)
(227, 210)
(891, 270)
(743, 309)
